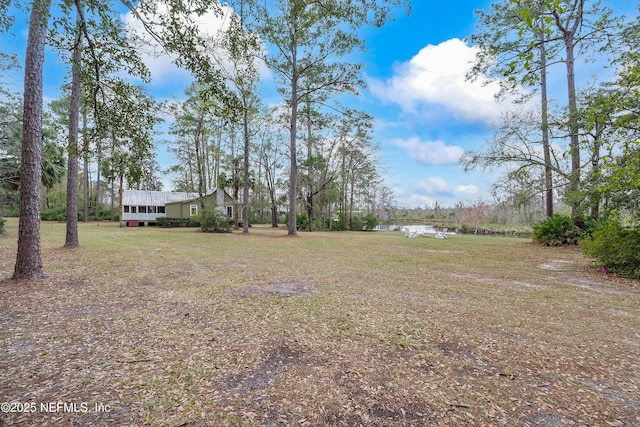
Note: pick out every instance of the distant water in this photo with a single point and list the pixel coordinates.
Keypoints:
(420, 229)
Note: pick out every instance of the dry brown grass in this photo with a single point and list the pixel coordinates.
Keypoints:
(172, 327)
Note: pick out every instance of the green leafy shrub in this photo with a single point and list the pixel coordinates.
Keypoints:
(54, 214)
(337, 226)
(58, 214)
(104, 214)
(370, 222)
(319, 224)
(171, 222)
(587, 226)
(465, 229)
(363, 222)
(356, 224)
(9, 202)
(616, 249)
(557, 230)
(2, 222)
(301, 222)
(214, 221)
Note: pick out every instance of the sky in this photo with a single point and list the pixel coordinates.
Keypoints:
(427, 115)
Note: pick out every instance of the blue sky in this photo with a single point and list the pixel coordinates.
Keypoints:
(426, 114)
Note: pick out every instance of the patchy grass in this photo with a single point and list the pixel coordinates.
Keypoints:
(173, 327)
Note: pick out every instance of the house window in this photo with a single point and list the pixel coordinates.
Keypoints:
(142, 209)
(160, 209)
(126, 208)
(193, 210)
(229, 211)
(133, 209)
(151, 209)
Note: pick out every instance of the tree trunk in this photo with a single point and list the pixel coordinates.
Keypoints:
(569, 34)
(236, 195)
(200, 162)
(574, 184)
(293, 173)
(72, 168)
(309, 201)
(85, 187)
(113, 198)
(120, 205)
(271, 187)
(99, 164)
(87, 179)
(595, 170)
(274, 213)
(245, 194)
(351, 202)
(28, 259)
(546, 147)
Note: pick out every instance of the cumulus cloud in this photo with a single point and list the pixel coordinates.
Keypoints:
(431, 190)
(433, 185)
(430, 152)
(434, 79)
(466, 190)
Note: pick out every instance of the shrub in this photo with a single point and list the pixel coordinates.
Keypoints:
(557, 230)
(587, 226)
(2, 222)
(370, 222)
(104, 214)
(301, 222)
(214, 221)
(319, 224)
(356, 224)
(465, 229)
(58, 214)
(616, 248)
(362, 222)
(9, 202)
(337, 226)
(171, 222)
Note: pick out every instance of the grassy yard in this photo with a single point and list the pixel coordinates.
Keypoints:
(173, 327)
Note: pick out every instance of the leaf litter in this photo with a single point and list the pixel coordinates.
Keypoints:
(361, 329)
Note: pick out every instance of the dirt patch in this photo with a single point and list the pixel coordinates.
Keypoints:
(259, 377)
(556, 265)
(567, 274)
(287, 289)
(519, 285)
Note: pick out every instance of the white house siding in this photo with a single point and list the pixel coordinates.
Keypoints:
(152, 202)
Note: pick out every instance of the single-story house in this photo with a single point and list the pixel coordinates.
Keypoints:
(191, 207)
(144, 207)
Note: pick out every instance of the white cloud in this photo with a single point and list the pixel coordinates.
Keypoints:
(466, 190)
(436, 189)
(430, 152)
(434, 79)
(433, 185)
(423, 193)
(413, 201)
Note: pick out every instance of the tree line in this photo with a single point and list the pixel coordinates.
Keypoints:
(578, 146)
(222, 135)
(310, 156)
